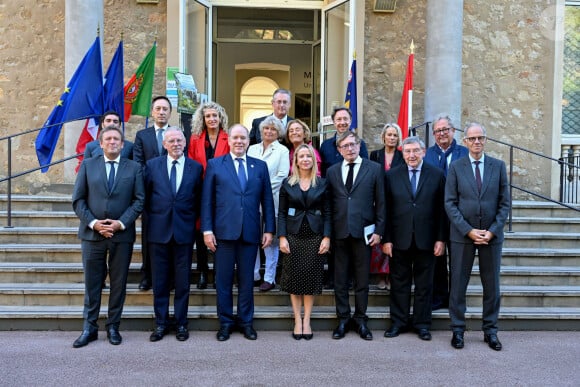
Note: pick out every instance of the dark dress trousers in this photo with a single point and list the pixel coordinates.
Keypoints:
(414, 224)
(233, 215)
(171, 233)
(486, 210)
(146, 148)
(92, 201)
(364, 205)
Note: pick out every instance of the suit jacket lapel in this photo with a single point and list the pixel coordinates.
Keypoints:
(405, 178)
(362, 171)
(229, 165)
(487, 172)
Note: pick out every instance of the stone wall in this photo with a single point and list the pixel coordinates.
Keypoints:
(32, 72)
(507, 76)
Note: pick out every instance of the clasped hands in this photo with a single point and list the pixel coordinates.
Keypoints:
(480, 237)
(107, 227)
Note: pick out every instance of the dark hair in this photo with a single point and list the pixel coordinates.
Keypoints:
(336, 110)
(162, 97)
(108, 113)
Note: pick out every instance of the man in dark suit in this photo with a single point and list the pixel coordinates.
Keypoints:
(173, 190)
(235, 186)
(357, 193)
(477, 204)
(148, 145)
(281, 103)
(445, 151)
(93, 148)
(108, 197)
(414, 236)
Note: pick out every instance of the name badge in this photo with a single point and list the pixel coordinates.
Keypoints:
(291, 211)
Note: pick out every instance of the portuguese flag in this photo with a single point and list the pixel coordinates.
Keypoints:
(139, 89)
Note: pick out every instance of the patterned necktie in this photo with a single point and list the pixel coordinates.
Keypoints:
(173, 177)
(160, 141)
(477, 175)
(111, 180)
(414, 182)
(349, 177)
(241, 173)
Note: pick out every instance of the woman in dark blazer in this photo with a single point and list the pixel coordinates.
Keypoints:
(304, 228)
(389, 157)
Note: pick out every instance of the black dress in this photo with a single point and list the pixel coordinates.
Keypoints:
(303, 268)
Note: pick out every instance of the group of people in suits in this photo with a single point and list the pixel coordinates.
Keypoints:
(412, 205)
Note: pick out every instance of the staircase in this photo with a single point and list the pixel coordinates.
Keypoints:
(41, 277)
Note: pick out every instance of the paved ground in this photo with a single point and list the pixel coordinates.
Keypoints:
(275, 359)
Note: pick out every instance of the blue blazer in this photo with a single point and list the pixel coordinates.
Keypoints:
(172, 215)
(432, 158)
(145, 146)
(231, 213)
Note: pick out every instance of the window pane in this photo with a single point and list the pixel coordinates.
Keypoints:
(571, 87)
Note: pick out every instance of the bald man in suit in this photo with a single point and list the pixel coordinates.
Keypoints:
(477, 204)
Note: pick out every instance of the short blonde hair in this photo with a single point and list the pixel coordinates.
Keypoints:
(295, 175)
(305, 128)
(396, 127)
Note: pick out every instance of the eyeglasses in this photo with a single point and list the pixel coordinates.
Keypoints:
(441, 131)
(478, 138)
(350, 145)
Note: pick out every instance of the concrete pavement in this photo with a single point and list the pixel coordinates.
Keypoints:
(528, 359)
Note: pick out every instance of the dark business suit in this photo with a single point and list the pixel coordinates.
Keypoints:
(92, 201)
(330, 155)
(233, 215)
(146, 148)
(256, 136)
(414, 224)
(93, 149)
(468, 209)
(379, 157)
(351, 212)
(171, 234)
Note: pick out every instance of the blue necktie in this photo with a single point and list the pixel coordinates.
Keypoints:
(173, 177)
(241, 173)
(414, 181)
(111, 175)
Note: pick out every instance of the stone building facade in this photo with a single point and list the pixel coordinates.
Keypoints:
(510, 76)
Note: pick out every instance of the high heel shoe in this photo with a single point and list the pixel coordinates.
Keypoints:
(298, 336)
(308, 336)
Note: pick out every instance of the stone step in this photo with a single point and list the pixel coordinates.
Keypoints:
(542, 240)
(37, 202)
(39, 272)
(27, 294)
(525, 208)
(537, 224)
(46, 235)
(43, 219)
(203, 318)
(517, 256)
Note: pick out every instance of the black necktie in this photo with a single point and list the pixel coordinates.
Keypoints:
(477, 175)
(173, 177)
(241, 173)
(414, 181)
(111, 175)
(349, 177)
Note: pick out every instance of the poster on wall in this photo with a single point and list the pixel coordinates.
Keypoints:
(187, 97)
(170, 88)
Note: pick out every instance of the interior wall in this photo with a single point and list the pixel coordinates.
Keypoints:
(298, 57)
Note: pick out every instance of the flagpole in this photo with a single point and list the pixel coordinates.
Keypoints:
(410, 96)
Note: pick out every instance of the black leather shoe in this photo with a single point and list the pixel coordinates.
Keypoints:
(182, 333)
(492, 341)
(364, 332)
(145, 284)
(249, 332)
(202, 283)
(85, 338)
(297, 336)
(457, 340)
(114, 336)
(307, 336)
(158, 333)
(424, 334)
(394, 331)
(224, 333)
(340, 331)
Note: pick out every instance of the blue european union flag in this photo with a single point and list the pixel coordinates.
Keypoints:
(83, 97)
(350, 98)
(114, 84)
